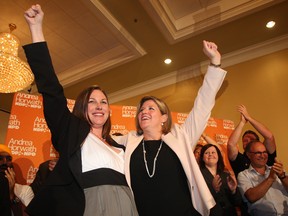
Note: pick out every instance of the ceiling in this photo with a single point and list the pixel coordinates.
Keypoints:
(121, 44)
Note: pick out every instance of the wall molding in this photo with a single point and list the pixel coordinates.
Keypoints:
(233, 58)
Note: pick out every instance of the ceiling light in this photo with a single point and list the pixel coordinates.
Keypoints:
(167, 61)
(270, 24)
(15, 75)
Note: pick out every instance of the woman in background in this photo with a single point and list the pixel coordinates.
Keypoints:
(197, 152)
(221, 184)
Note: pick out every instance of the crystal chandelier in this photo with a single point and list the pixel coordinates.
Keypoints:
(15, 75)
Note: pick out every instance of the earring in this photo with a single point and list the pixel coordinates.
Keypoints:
(162, 123)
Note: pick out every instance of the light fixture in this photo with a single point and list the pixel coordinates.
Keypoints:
(167, 61)
(15, 75)
(270, 24)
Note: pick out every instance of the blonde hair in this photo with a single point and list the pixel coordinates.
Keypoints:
(164, 109)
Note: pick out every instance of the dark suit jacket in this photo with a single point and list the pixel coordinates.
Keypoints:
(41, 177)
(62, 193)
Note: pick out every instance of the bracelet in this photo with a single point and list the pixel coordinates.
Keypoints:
(215, 65)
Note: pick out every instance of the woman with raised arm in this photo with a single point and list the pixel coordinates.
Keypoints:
(160, 166)
(89, 176)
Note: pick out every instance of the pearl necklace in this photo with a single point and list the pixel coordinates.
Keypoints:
(155, 159)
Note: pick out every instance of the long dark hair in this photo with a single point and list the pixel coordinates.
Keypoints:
(220, 163)
(80, 110)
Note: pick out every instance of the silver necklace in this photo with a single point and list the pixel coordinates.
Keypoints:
(155, 159)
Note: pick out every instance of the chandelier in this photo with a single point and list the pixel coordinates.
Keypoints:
(15, 75)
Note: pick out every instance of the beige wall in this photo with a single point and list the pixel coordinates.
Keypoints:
(260, 84)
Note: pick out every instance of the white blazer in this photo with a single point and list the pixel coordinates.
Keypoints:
(183, 138)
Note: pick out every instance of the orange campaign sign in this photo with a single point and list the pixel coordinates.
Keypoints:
(28, 135)
(122, 119)
(220, 130)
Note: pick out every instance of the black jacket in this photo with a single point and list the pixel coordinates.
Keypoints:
(41, 177)
(225, 200)
(63, 193)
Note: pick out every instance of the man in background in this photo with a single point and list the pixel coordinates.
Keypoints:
(239, 161)
(263, 188)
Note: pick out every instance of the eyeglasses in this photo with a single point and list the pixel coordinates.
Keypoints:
(8, 158)
(258, 153)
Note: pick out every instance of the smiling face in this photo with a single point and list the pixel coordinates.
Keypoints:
(98, 109)
(210, 156)
(150, 118)
(257, 154)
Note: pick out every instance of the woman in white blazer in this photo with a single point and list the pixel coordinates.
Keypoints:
(160, 166)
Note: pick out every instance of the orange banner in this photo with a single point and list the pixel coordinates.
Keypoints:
(28, 136)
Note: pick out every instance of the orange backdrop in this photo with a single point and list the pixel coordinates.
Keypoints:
(28, 136)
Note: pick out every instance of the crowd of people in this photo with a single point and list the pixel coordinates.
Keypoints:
(260, 176)
(147, 172)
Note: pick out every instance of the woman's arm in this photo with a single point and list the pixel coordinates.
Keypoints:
(38, 56)
(197, 119)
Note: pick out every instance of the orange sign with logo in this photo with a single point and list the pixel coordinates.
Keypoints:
(28, 136)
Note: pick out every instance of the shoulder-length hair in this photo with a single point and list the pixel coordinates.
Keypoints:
(220, 163)
(81, 106)
(164, 109)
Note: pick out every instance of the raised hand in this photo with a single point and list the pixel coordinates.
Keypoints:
(10, 175)
(242, 109)
(211, 51)
(243, 119)
(272, 174)
(34, 15)
(278, 167)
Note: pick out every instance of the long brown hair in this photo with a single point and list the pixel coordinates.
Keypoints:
(81, 106)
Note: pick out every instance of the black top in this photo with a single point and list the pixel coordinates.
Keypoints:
(41, 176)
(167, 192)
(226, 202)
(63, 193)
(242, 162)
